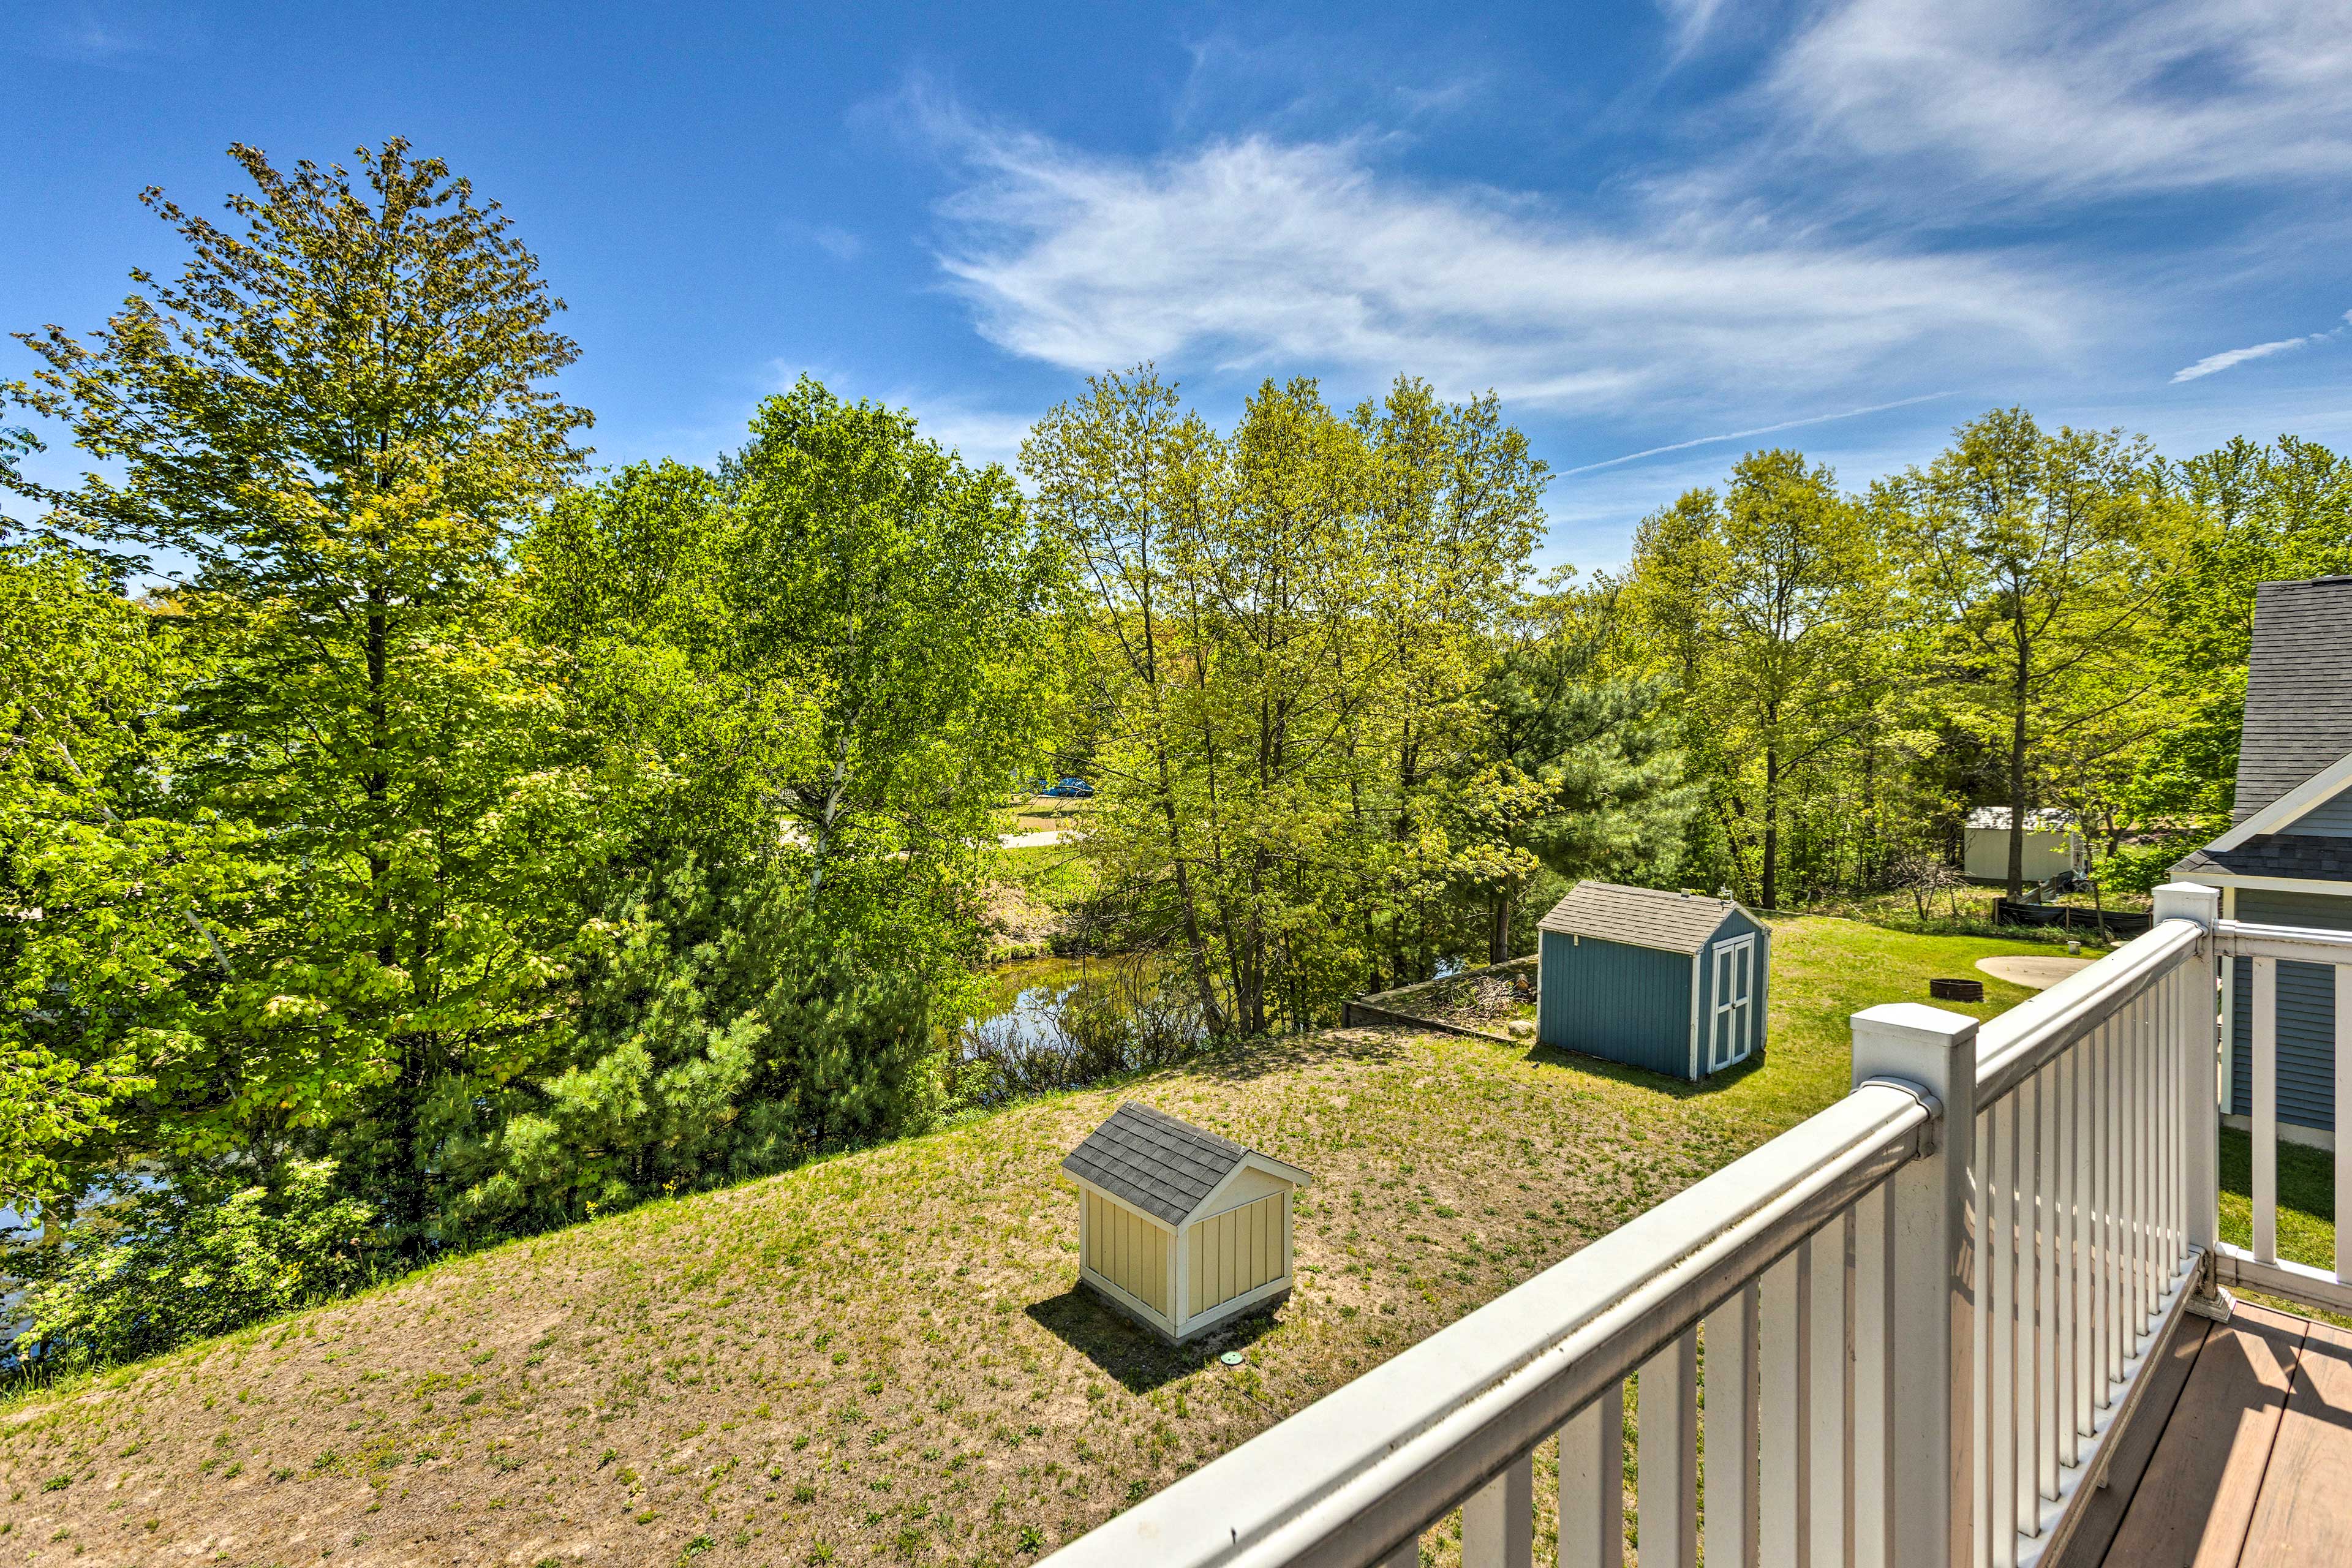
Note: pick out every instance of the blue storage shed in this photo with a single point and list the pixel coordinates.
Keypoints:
(1671, 981)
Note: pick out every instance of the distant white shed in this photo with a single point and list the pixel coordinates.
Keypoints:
(1179, 1228)
(2051, 845)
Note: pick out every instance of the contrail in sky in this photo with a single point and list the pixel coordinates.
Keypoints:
(1759, 430)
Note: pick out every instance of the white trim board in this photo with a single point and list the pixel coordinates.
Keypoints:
(1253, 1160)
(2317, 790)
(2339, 889)
(1095, 1280)
(1213, 1316)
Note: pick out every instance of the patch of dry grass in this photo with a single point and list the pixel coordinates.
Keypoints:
(882, 1357)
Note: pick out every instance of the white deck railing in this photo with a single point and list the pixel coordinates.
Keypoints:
(2261, 1268)
(1896, 1370)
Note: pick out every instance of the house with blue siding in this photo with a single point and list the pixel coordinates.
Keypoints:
(1671, 981)
(2287, 858)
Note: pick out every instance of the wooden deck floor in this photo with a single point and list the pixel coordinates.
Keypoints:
(2253, 1464)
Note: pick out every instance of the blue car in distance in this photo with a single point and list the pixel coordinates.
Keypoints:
(1069, 789)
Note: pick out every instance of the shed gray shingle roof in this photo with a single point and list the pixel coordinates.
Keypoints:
(1646, 917)
(1162, 1165)
(2298, 689)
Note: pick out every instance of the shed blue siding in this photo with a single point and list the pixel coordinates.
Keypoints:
(2306, 1011)
(1615, 1000)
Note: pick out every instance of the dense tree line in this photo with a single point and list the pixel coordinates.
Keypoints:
(463, 843)
(2032, 619)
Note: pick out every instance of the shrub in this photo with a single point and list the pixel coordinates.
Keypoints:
(211, 1248)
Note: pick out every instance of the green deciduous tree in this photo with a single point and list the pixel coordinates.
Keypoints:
(99, 894)
(1768, 608)
(2040, 560)
(337, 412)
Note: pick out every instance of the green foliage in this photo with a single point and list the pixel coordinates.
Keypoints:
(2263, 514)
(2039, 559)
(337, 415)
(461, 849)
(214, 1248)
(1770, 609)
(1578, 777)
(100, 892)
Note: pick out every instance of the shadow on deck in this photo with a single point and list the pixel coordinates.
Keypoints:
(2251, 1462)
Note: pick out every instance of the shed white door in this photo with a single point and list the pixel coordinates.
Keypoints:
(1733, 1034)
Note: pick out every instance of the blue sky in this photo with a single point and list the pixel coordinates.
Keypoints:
(1643, 228)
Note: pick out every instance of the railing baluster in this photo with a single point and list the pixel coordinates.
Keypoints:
(2343, 1110)
(1593, 1484)
(2162, 1066)
(2176, 1119)
(2117, 1256)
(2265, 1107)
(1667, 1423)
(2083, 1075)
(1980, 1359)
(2049, 1274)
(2136, 1189)
(2152, 1059)
(2028, 1115)
(1830, 1359)
(1874, 1377)
(1498, 1522)
(2001, 1281)
(2146, 1099)
(1784, 1387)
(1731, 1432)
(2065, 1391)
(2228, 1041)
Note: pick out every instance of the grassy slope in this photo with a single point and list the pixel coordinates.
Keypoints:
(881, 1357)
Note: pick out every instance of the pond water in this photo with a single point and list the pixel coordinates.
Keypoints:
(1024, 997)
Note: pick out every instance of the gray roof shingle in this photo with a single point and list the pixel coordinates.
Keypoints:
(2298, 689)
(2309, 856)
(1162, 1165)
(1646, 917)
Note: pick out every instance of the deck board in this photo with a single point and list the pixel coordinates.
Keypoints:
(2196, 1497)
(2303, 1514)
(2102, 1511)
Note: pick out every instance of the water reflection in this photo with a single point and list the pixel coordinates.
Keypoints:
(1056, 1022)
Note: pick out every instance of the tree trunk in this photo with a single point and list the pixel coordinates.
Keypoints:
(2021, 688)
(2017, 801)
(1771, 881)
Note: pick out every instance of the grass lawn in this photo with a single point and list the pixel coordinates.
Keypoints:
(882, 1357)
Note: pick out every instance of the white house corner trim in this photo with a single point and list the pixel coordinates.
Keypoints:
(2316, 791)
(1699, 960)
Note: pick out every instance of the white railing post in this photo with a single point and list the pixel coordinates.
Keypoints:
(2204, 1034)
(1931, 1416)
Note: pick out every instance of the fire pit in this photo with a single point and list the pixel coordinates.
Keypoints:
(1957, 990)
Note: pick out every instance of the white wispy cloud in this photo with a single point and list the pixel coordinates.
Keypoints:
(1254, 254)
(2228, 357)
(1692, 19)
(1758, 430)
(2079, 99)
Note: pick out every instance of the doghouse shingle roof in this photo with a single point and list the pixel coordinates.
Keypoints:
(1646, 917)
(1162, 1165)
